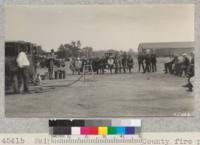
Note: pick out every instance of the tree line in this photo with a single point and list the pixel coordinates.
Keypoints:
(75, 49)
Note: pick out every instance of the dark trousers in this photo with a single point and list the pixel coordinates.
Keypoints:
(183, 69)
(154, 67)
(24, 77)
(59, 74)
(110, 68)
(147, 68)
(129, 68)
(116, 69)
(50, 70)
(141, 64)
(63, 74)
(15, 82)
(168, 67)
(102, 69)
(124, 68)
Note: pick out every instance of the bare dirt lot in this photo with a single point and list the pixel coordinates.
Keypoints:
(135, 94)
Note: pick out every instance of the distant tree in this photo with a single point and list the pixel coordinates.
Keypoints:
(76, 47)
(69, 50)
(87, 51)
(61, 51)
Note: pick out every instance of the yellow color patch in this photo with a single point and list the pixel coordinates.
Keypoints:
(102, 130)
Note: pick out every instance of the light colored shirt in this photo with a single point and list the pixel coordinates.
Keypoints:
(78, 64)
(110, 61)
(22, 60)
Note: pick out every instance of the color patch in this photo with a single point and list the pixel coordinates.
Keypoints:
(93, 130)
(102, 130)
(78, 123)
(61, 130)
(76, 130)
(60, 123)
(130, 130)
(112, 130)
(120, 130)
(97, 123)
(136, 123)
(84, 130)
(116, 122)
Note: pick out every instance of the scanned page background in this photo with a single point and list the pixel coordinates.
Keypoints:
(155, 124)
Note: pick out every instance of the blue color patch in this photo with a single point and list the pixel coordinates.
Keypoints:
(120, 130)
(130, 130)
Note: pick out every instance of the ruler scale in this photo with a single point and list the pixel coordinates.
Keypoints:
(98, 139)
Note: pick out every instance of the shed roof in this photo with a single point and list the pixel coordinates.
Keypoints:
(158, 45)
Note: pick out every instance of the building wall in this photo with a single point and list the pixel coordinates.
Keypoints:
(165, 52)
(172, 51)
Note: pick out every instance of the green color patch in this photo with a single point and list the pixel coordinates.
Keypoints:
(112, 130)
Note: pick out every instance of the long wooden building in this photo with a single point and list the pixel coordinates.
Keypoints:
(164, 49)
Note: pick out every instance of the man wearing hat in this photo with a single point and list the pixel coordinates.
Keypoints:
(140, 61)
(78, 64)
(110, 63)
(190, 74)
(23, 64)
(185, 64)
(50, 64)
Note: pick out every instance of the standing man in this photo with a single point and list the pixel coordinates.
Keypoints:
(102, 65)
(120, 64)
(78, 64)
(23, 64)
(130, 63)
(190, 74)
(140, 61)
(72, 65)
(96, 65)
(153, 62)
(147, 63)
(185, 64)
(124, 62)
(116, 62)
(63, 73)
(50, 63)
(35, 59)
(169, 64)
(110, 63)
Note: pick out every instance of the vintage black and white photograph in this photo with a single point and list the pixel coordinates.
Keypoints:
(99, 60)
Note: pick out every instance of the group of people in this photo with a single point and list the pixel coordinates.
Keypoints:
(147, 62)
(181, 65)
(56, 67)
(114, 64)
(117, 64)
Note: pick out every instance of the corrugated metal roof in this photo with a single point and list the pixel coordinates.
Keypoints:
(156, 45)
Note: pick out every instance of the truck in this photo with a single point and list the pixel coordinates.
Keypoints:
(12, 49)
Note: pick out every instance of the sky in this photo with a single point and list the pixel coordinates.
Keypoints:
(119, 27)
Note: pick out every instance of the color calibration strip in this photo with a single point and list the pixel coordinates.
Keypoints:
(95, 127)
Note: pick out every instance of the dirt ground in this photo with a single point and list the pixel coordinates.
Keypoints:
(125, 95)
